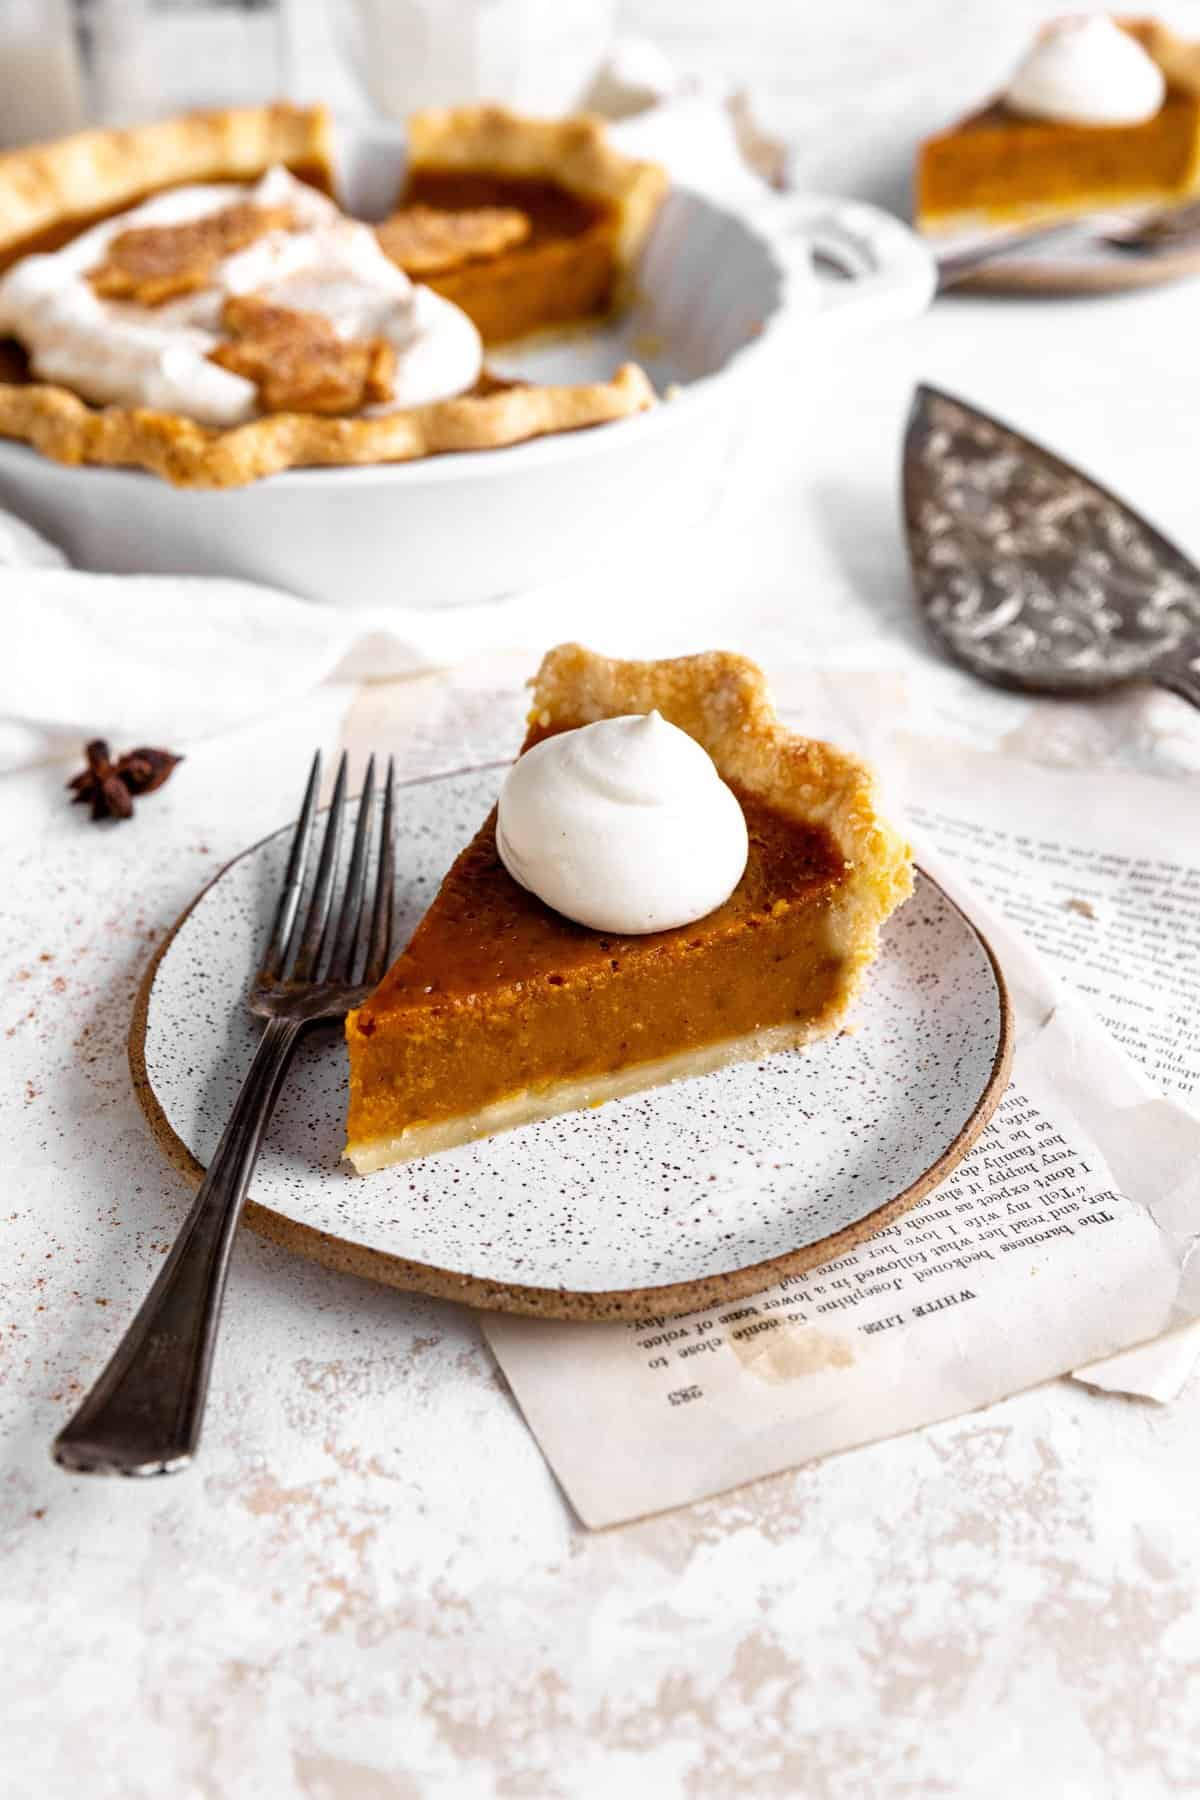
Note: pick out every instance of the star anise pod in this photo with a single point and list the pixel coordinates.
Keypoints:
(108, 786)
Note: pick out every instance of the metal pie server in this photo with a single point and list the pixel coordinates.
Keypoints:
(1032, 575)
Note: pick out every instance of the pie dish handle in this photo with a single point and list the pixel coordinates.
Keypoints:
(881, 268)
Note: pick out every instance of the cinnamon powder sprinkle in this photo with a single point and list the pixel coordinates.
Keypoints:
(154, 263)
(298, 362)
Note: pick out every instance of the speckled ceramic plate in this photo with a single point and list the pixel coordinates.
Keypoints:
(704, 1190)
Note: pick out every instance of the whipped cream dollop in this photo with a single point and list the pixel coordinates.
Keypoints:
(117, 352)
(1087, 71)
(624, 826)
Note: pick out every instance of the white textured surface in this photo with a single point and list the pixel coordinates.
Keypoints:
(370, 1588)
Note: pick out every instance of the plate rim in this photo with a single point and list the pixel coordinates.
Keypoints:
(1056, 276)
(592, 1306)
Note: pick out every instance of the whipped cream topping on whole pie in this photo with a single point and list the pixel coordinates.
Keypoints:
(84, 319)
(623, 825)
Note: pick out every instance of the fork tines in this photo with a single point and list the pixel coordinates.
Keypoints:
(349, 944)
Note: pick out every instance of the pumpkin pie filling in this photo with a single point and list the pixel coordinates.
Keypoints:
(501, 1011)
(428, 240)
(497, 994)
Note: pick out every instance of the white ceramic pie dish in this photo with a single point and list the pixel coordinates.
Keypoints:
(720, 296)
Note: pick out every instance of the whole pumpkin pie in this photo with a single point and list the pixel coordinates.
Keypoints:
(185, 297)
(1001, 166)
(502, 1011)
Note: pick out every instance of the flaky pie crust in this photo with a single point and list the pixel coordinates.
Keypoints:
(94, 173)
(64, 428)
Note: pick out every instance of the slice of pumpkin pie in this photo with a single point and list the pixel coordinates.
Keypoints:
(1103, 112)
(672, 881)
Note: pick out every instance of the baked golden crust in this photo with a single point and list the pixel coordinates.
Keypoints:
(63, 427)
(94, 173)
(574, 153)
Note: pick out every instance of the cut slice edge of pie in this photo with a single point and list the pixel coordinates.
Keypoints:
(501, 1012)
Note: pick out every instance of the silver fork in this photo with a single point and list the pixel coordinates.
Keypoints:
(143, 1416)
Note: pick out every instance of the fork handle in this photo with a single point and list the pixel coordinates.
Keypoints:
(143, 1416)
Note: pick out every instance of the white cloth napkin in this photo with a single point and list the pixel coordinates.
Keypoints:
(170, 659)
(153, 658)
